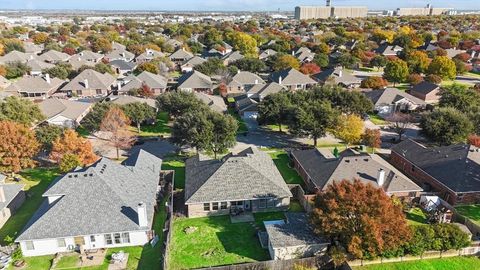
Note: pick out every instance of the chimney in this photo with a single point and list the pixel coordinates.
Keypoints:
(31, 57)
(142, 215)
(293, 53)
(85, 83)
(47, 78)
(381, 177)
(2, 194)
(119, 86)
(256, 81)
(280, 80)
(340, 73)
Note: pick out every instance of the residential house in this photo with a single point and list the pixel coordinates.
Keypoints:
(215, 103)
(452, 171)
(148, 56)
(119, 52)
(292, 79)
(452, 52)
(232, 57)
(392, 100)
(266, 54)
(36, 66)
(63, 112)
(105, 205)
(426, 91)
(243, 81)
(247, 181)
(123, 67)
(12, 196)
(320, 168)
(156, 83)
(4, 83)
(293, 238)
(246, 107)
(32, 48)
(54, 57)
(78, 62)
(124, 100)
(89, 83)
(191, 63)
(338, 76)
(195, 82)
(180, 56)
(386, 49)
(260, 91)
(89, 56)
(304, 55)
(15, 56)
(174, 43)
(35, 87)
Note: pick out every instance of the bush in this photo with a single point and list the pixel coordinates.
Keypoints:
(415, 79)
(433, 79)
(439, 237)
(374, 83)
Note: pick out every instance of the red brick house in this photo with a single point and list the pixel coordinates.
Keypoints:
(453, 171)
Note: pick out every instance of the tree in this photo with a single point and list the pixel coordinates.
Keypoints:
(439, 237)
(361, 218)
(47, 134)
(71, 143)
(433, 79)
(444, 67)
(116, 124)
(379, 61)
(211, 66)
(396, 71)
(223, 134)
(415, 79)
(92, 120)
(275, 109)
(346, 60)
(147, 66)
(179, 103)
(285, 61)
(447, 126)
(40, 38)
(16, 70)
(60, 71)
(253, 65)
(192, 129)
(348, 128)
(461, 67)
(418, 61)
(139, 112)
(69, 162)
(321, 60)
(18, 146)
(310, 69)
(399, 122)
(245, 43)
(460, 97)
(474, 140)
(374, 82)
(313, 119)
(101, 44)
(103, 68)
(343, 100)
(20, 110)
(372, 138)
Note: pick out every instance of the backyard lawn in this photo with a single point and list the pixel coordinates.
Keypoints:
(416, 217)
(470, 211)
(160, 128)
(36, 182)
(377, 120)
(454, 263)
(242, 127)
(178, 165)
(281, 160)
(214, 241)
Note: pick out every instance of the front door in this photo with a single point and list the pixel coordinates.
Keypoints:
(247, 205)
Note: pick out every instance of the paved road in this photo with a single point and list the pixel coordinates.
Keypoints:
(467, 80)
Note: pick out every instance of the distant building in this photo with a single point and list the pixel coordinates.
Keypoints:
(425, 11)
(321, 12)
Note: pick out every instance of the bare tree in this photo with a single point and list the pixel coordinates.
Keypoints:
(116, 124)
(399, 122)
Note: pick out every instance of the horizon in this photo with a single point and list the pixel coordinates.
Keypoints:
(220, 5)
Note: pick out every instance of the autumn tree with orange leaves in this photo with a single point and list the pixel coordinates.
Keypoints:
(18, 146)
(360, 219)
(116, 124)
(70, 143)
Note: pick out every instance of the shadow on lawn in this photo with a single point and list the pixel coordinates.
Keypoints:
(241, 239)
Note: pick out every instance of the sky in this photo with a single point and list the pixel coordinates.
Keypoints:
(224, 5)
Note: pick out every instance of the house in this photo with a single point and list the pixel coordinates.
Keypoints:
(391, 100)
(260, 91)
(53, 57)
(180, 56)
(426, 91)
(243, 81)
(320, 168)
(246, 107)
(215, 103)
(4, 83)
(195, 82)
(35, 87)
(89, 83)
(452, 52)
(386, 49)
(174, 43)
(63, 112)
(452, 171)
(338, 76)
(192, 63)
(12, 197)
(292, 79)
(15, 56)
(88, 56)
(105, 205)
(36, 66)
(266, 54)
(248, 181)
(156, 83)
(78, 62)
(148, 56)
(119, 52)
(123, 67)
(304, 55)
(232, 57)
(293, 238)
(124, 100)
(32, 48)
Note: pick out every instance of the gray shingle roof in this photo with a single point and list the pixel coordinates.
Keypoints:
(338, 75)
(424, 87)
(149, 55)
(215, 103)
(150, 79)
(35, 85)
(37, 65)
(263, 90)
(10, 191)
(323, 170)
(245, 77)
(96, 80)
(15, 56)
(456, 167)
(53, 56)
(291, 76)
(181, 54)
(250, 174)
(70, 109)
(390, 96)
(123, 100)
(194, 79)
(102, 198)
(194, 61)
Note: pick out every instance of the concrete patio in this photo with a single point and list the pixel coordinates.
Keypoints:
(242, 218)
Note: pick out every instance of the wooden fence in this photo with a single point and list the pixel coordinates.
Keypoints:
(167, 229)
(270, 265)
(306, 201)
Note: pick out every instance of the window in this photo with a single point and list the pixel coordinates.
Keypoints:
(116, 236)
(108, 239)
(125, 237)
(29, 245)
(92, 238)
(223, 205)
(215, 206)
(206, 207)
(79, 92)
(270, 203)
(99, 91)
(61, 242)
(262, 203)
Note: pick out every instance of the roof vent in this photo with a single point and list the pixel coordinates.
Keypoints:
(75, 175)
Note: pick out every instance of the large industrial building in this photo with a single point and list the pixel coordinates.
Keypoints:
(319, 12)
(425, 11)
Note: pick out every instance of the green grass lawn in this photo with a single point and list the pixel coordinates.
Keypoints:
(267, 216)
(277, 128)
(416, 217)
(160, 128)
(68, 261)
(401, 86)
(377, 120)
(178, 165)
(454, 263)
(470, 211)
(36, 182)
(242, 127)
(82, 131)
(295, 206)
(281, 160)
(37, 263)
(215, 242)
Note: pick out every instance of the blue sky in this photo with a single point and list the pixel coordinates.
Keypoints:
(227, 5)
